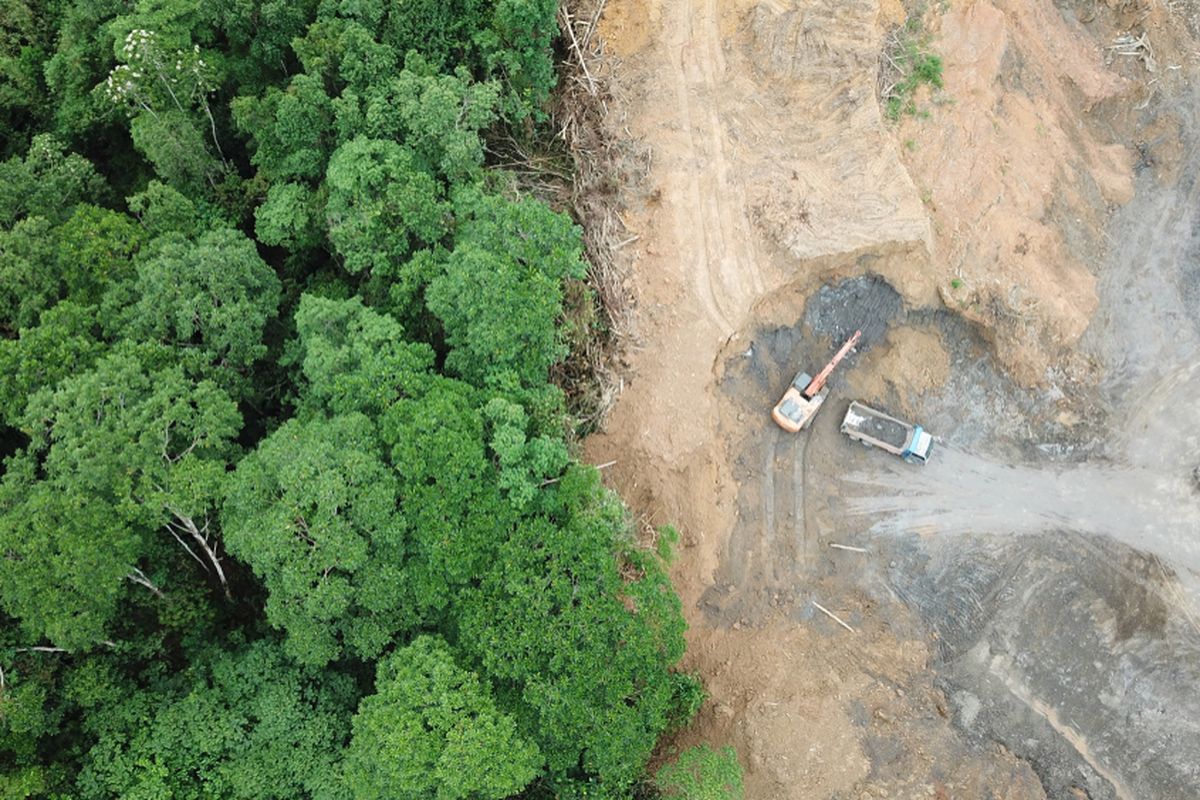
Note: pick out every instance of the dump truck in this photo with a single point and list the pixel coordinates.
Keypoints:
(876, 429)
(805, 394)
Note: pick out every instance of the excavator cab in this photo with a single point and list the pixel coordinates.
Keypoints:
(805, 394)
(795, 411)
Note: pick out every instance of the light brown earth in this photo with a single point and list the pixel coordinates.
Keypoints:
(773, 171)
(910, 362)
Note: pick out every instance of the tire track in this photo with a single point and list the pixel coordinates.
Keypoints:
(804, 534)
(701, 278)
(783, 489)
(768, 496)
(725, 277)
(735, 224)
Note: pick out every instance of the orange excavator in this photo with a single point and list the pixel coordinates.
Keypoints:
(805, 394)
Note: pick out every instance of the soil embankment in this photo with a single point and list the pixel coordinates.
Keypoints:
(974, 247)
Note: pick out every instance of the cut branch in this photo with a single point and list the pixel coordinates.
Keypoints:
(569, 25)
(832, 616)
(587, 37)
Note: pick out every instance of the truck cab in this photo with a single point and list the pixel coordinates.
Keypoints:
(919, 447)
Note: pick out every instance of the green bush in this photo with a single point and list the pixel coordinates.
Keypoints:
(701, 773)
(912, 66)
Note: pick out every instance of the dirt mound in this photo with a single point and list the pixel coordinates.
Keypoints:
(1019, 171)
(827, 180)
(911, 363)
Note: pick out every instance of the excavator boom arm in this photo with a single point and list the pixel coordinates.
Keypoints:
(818, 383)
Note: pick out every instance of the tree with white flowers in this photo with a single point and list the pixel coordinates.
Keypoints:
(166, 92)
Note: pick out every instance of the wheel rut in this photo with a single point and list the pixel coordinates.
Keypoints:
(725, 275)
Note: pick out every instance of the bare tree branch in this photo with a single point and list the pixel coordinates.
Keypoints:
(304, 532)
(568, 24)
(188, 525)
(41, 649)
(172, 529)
(139, 577)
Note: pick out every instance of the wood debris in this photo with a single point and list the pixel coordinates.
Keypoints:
(1130, 46)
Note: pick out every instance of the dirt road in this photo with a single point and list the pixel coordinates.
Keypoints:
(1145, 497)
(781, 213)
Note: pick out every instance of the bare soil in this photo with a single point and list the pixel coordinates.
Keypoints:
(1023, 261)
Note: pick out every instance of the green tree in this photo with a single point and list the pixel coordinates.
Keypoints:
(440, 30)
(438, 117)
(525, 462)
(62, 344)
(432, 730)
(41, 264)
(48, 182)
(432, 433)
(259, 34)
(455, 514)
(215, 294)
(164, 86)
(291, 130)
(516, 46)
(33, 710)
(81, 59)
(29, 277)
(381, 207)
(320, 49)
(68, 557)
(120, 457)
(314, 512)
(175, 145)
(291, 217)
(247, 724)
(364, 62)
(701, 773)
(500, 295)
(96, 248)
(354, 359)
(26, 38)
(162, 210)
(588, 651)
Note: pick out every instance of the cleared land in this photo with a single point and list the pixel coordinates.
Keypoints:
(1024, 263)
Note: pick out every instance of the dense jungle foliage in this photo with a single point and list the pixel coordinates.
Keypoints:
(287, 508)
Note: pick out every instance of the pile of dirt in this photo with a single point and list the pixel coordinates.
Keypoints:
(911, 363)
(824, 179)
(1025, 154)
(817, 712)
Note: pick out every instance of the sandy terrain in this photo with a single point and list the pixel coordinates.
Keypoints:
(984, 233)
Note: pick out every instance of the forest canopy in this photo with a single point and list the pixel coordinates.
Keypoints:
(288, 507)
